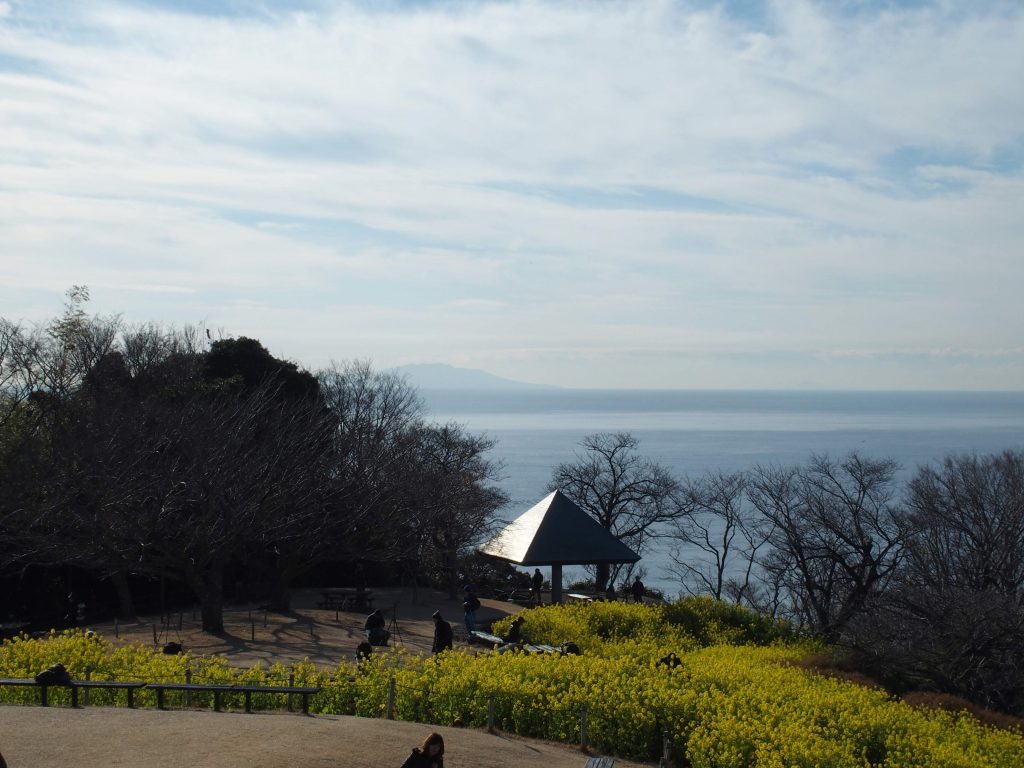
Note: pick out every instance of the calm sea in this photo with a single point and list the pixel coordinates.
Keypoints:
(692, 432)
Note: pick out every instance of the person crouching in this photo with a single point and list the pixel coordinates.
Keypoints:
(374, 626)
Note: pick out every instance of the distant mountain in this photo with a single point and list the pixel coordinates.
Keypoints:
(441, 376)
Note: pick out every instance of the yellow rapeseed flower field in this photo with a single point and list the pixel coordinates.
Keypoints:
(727, 705)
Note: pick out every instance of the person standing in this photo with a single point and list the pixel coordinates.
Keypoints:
(470, 603)
(538, 585)
(429, 754)
(638, 590)
(442, 634)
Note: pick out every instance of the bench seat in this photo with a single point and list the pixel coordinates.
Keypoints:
(304, 692)
(128, 685)
(219, 689)
(484, 638)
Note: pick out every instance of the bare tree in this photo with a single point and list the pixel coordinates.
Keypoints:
(41, 370)
(236, 471)
(837, 535)
(139, 464)
(378, 416)
(955, 614)
(720, 537)
(629, 495)
(455, 502)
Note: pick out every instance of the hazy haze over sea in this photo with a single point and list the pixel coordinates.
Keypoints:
(692, 432)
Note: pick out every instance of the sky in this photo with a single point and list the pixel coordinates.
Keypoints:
(647, 194)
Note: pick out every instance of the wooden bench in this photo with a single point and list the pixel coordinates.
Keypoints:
(484, 638)
(26, 681)
(540, 648)
(600, 762)
(249, 690)
(128, 685)
(216, 689)
(219, 689)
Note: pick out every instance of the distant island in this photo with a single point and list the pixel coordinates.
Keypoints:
(442, 376)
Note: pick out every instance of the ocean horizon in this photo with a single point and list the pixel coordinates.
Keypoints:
(692, 432)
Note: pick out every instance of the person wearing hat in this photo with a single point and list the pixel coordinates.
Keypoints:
(442, 634)
(469, 605)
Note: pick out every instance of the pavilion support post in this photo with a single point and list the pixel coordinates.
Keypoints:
(556, 584)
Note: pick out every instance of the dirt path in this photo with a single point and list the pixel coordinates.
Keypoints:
(101, 737)
(306, 631)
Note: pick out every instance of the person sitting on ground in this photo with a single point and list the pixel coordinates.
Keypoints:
(669, 660)
(442, 634)
(363, 652)
(515, 632)
(638, 590)
(470, 603)
(569, 648)
(429, 754)
(374, 627)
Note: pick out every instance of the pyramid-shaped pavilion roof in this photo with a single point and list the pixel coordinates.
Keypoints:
(555, 531)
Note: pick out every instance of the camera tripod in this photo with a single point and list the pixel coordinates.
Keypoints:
(396, 633)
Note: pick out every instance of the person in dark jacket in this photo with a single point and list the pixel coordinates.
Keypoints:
(538, 584)
(515, 632)
(442, 634)
(363, 652)
(470, 603)
(429, 754)
(374, 626)
(638, 590)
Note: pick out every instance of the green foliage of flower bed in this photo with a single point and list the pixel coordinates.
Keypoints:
(726, 705)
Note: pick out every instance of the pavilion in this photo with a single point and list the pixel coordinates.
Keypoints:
(556, 532)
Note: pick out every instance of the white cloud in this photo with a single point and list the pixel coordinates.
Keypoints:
(484, 179)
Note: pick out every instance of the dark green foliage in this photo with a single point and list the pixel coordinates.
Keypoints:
(711, 621)
(245, 363)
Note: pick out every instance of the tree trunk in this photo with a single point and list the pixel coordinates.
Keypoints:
(125, 604)
(601, 572)
(280, 598)
(211, 600)
(453, 575)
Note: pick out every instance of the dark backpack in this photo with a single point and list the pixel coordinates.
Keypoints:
(54, 675)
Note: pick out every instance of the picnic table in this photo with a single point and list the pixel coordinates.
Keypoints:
(346, 600)
(579, 597)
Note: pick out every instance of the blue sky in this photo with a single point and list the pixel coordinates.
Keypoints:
(599, 194)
